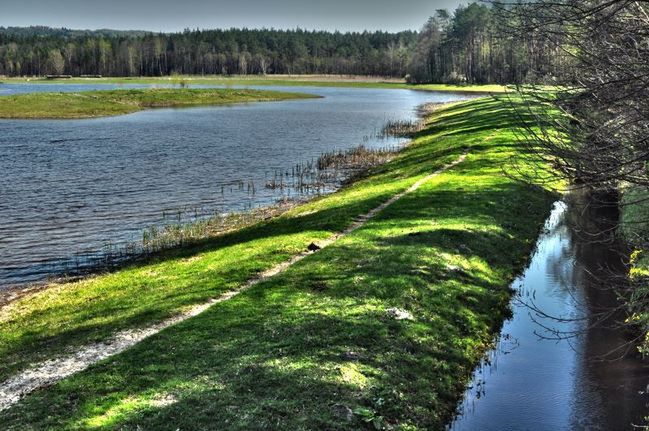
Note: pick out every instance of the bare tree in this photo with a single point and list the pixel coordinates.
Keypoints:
(55, 62)
(600, 142)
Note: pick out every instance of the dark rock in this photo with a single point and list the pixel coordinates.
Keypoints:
(463, 248)
(343, 412)
(351, 356)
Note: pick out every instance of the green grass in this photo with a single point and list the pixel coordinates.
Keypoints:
(118, 102)
(635, 229)
(302, 350)
(489, 88)
(282, 80)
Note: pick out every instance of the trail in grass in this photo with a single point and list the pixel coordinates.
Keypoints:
(381, 329)
(51, 371)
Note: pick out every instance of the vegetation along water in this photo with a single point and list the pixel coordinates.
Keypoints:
(455, 235)
(126, 175)
(339, 258)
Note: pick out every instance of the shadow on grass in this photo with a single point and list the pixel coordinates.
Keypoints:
(306, 348)
(165, 296)
(291, 354)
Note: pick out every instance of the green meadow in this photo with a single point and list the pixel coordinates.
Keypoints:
(89, 104)
(317, 346)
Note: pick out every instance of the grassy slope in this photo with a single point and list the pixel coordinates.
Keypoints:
(306, 81)
(635, 228)
(297, 351)
(116, 102)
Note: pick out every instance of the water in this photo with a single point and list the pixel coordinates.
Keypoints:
(71, 188)
(584, 376)
(12, 89)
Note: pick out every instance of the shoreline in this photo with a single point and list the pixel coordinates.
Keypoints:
(448, 249)
(53, 370)
(15, 291)
(273, 80)
(231, 222)
(108, 103)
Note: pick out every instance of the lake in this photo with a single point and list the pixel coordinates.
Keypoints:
(71, 189)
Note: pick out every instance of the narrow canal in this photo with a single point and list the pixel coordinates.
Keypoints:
(563, 362)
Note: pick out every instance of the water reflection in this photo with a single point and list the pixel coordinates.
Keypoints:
(561, 362)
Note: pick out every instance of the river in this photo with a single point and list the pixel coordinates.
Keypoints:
(73, 188)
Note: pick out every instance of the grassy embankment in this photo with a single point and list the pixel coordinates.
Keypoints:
(314, 347)
(635, 228)
(272, 80)
(103, 103)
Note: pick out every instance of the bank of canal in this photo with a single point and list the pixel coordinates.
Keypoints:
(562, 362)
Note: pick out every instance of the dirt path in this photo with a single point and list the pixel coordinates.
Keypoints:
(51, 371)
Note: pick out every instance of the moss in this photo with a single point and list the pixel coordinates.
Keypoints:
(635, 229)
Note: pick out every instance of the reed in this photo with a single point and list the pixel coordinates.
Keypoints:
(401, 128)
(191, 224)
(159, 238)
(330, 171)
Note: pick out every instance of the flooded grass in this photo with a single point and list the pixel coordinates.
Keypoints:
(156, 239)
(409, 128)
(331, 170)
(107, 180)
(399, 128)
(328, 173)
(356, 159)
(190, 225)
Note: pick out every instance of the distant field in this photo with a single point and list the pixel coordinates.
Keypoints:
(91, 104)
(279, 80)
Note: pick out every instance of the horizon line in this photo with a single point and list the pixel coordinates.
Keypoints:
(2, 26)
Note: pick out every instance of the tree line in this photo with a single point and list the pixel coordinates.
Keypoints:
(45, 51)
(479, 44)
(474, 44)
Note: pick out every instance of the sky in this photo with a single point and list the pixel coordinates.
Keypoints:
(176, 15)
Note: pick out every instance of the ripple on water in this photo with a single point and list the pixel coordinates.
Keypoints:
(72, 188)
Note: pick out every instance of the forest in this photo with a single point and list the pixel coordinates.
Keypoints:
(44, 51)
(481, 44)
(473, 44)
